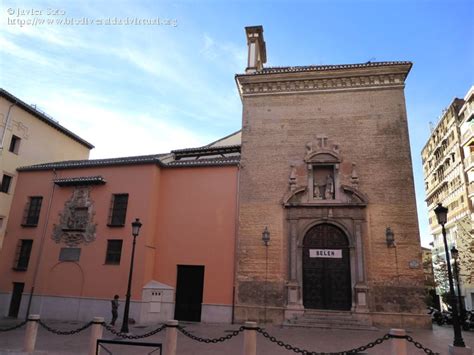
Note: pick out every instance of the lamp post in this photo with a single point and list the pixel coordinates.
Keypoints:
(442, 217)
(455, 255)
(136, 225)
(266, 241)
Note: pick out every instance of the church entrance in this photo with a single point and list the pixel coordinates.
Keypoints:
(326, 269)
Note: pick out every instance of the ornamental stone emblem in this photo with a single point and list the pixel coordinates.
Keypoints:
(76, 221)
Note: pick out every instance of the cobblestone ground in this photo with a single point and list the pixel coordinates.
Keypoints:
(312, 339)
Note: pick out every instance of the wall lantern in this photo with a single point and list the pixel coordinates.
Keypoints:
(266, 236)
(390, 237)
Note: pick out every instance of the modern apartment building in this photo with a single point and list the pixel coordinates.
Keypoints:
(447, 160)
(28, 136)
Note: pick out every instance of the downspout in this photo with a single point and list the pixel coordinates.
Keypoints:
(43, 235)
(236, 234)
(6, 125)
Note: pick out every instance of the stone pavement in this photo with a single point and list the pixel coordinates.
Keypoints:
(320, 340)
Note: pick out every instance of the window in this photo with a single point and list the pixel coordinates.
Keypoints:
(118, 210)
(114, 251)
(32, 211)
(6, 182)
(23, 252)
(15, 144)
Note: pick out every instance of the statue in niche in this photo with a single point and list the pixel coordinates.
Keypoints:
(329, 192)
(316, 191)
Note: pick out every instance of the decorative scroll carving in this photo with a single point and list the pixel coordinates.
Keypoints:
(76, 221)
(292, 179)
(354, 177)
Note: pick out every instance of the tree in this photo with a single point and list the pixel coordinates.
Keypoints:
(465, 245)
(440, 271)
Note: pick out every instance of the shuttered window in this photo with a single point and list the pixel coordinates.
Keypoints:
(32, 211)
(118, 210)
(114, 251)
(22, 257)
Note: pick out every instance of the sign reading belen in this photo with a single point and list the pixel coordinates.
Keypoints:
(325, 253)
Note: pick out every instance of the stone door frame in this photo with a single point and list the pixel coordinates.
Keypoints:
(352, 221)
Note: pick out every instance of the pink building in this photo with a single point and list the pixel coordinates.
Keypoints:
(69, 237)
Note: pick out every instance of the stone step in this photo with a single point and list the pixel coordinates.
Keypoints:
(332, 319)
(303, 324)
(329, 320)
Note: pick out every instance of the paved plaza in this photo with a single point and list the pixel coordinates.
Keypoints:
(320, 340)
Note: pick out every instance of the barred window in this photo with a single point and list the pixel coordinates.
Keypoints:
(114, 251)
(118, 210)
(32, 211)
(23, 252)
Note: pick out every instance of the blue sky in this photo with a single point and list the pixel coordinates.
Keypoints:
(141, 89)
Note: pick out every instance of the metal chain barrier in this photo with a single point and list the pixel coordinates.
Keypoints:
(211, 340)
(19, 325)
(234, 333)
(417, 344)
(66, 332)
(126, 336)
(351, 351)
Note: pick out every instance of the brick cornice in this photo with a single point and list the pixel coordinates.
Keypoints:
(318, 80)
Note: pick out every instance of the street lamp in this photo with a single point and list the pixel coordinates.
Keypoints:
(136, 225)
(455, 255)
(266, 241)
(442, 217)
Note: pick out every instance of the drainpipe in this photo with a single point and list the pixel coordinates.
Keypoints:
(6, 125)
(43, 235)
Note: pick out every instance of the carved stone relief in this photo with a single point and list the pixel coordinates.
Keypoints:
(76, 221)
(323, 176)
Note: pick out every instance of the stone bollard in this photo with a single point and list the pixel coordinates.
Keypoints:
(96, 333)
(250, 339)
(31, 332)
(399, 345)
(171, 337)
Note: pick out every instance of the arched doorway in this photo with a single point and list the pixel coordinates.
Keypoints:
(326, 269)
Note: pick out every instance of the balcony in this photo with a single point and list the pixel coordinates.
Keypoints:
(469, 163)
(468, 135)
(470, 190)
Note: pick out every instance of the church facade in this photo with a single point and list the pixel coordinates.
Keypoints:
(326, 169)
(321, 170)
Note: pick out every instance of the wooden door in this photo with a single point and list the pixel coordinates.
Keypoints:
(326, 269)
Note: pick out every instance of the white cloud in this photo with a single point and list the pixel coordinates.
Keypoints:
(120, 133)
